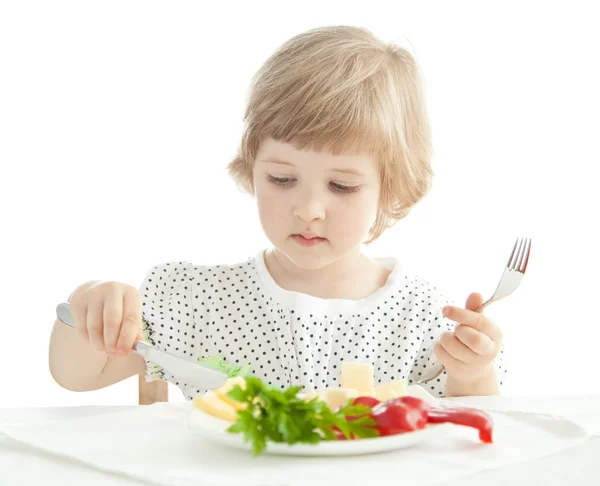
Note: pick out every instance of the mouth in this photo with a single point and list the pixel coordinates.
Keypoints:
(308, 239)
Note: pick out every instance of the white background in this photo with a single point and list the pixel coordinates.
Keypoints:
(117, 119)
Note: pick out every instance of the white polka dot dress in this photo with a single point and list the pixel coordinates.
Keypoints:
(239, 314)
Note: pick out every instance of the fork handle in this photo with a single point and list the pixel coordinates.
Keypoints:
(482, 307)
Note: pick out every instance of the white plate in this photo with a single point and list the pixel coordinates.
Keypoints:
(215, 430)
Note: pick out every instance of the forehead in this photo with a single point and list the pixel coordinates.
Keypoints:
(276, 151)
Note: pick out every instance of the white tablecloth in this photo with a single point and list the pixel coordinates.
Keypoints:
(21, 463)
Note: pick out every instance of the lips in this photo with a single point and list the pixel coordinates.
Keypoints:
(307, 239)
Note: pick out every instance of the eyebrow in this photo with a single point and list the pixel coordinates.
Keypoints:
(285, 162)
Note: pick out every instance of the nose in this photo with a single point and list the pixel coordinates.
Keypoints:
(310, 207)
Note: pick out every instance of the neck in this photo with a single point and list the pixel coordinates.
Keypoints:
(337, 280)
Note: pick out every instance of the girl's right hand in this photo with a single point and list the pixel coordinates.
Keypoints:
(108, 315)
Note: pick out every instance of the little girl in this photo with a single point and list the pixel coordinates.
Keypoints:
(336, 148)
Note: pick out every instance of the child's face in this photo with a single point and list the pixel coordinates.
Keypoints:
(334, 197)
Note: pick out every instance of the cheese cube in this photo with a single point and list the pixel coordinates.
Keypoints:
(338, 397)
(213, 405)
(227, 387)
(358, 376)
(388, 391)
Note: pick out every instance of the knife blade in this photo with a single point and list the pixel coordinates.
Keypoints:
(185, 369)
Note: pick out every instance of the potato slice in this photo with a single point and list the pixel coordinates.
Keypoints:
(212, 404)
(227, 387)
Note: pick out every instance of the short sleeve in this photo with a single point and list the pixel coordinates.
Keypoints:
(167, 314)
(426, 360)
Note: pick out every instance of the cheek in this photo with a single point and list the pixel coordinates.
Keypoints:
(362, 210)
(269, 203)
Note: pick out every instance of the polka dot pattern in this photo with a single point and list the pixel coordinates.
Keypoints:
(238, 313)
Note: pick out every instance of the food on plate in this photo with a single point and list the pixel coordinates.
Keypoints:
(355, 410)
(227, 387)
(364, 400)
(390, 390)
(357, 376)
(336, 398)
(469, 417)
(307, 397)
(400, 415)
(218, 403)
(231, 370)
(212, 404)
(273, 414)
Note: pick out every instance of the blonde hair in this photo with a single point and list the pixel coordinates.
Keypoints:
(341, 89)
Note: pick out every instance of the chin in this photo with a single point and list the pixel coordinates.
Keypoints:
(309, 258)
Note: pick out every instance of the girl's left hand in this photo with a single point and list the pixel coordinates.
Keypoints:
(467, 353)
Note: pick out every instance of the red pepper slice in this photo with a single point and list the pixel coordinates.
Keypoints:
(414, 402)
(396, 417)
(469, 417)
(366, 401)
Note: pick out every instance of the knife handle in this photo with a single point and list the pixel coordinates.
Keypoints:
(63, 312)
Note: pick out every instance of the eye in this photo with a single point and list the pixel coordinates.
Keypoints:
(280, 181)
(341, 188)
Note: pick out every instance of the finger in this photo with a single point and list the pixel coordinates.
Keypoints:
(457, 350)
(79, 312)
(478, 342)
(476, 320)
(132, 322)
(460, 352)
(474, 301)
(113, 315)
(451, 364)
(94, 324)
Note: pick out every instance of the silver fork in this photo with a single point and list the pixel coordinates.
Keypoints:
(510, 280)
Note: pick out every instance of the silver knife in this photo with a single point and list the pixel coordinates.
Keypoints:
(185, 369)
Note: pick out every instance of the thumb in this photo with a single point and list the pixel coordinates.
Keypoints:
(474, 301)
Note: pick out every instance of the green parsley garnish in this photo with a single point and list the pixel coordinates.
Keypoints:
(229, 369)
(278, 415)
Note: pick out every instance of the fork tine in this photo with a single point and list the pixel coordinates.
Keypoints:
(527, 250)
(520, 254)
(512, 255)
